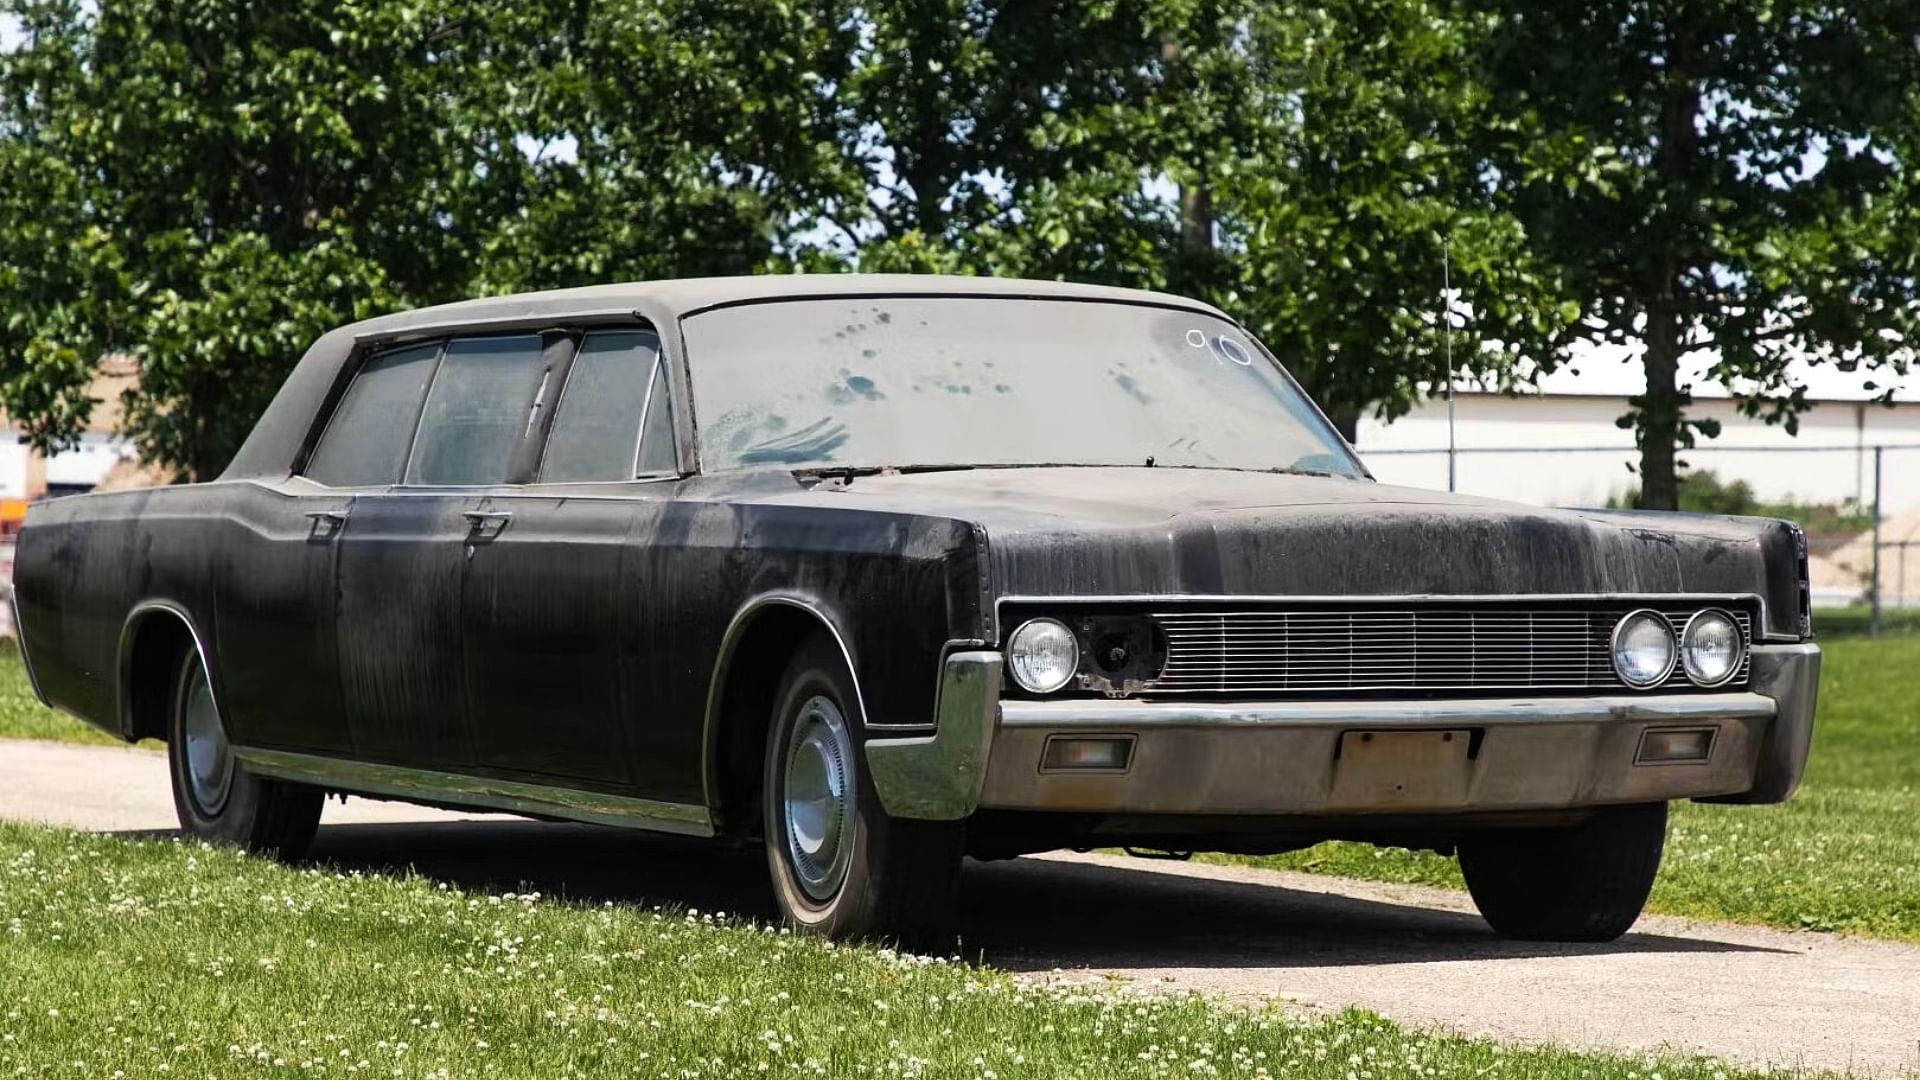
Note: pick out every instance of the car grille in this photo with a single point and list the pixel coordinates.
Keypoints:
(1445, 649)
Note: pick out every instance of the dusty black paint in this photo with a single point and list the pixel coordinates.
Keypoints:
(579, 643)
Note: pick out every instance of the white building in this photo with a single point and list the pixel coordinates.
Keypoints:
(1543, 446)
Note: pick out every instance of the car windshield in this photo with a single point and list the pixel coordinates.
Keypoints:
(984, 381)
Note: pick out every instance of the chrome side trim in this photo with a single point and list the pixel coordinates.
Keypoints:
(599, 808)
(723, 665)
(938, 777)
(134, 618)
(1138, 715)
(20, 642)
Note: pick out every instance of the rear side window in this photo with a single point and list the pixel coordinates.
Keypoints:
(617, 381)
(480, 407)
(365, 444)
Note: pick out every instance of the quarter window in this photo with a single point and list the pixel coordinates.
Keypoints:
(365, 444)
(479, 409)
(617, 380)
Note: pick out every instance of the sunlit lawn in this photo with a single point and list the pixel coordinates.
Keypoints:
(159, 958)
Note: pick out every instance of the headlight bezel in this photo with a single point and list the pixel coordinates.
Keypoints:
(1739, 647)
(1673, 648)
(1013, 659)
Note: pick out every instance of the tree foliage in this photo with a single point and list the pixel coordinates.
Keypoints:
(1715, 177)
(209, 184)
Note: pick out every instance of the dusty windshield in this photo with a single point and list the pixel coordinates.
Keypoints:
(927, 381)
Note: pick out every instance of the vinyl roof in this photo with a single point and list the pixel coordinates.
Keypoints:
(685, 296)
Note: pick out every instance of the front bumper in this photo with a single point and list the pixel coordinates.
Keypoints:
(1328, 757)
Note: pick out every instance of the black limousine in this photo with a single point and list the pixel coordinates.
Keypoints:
(879, 572)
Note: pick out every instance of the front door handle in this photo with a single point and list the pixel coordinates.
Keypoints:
(487, 523)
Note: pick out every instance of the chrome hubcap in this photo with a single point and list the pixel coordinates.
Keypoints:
(818, 795)
(209, 757)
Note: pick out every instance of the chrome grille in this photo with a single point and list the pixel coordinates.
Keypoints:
(1444, 649)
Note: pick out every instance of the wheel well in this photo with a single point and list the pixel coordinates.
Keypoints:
(160, 639)
(751, 680)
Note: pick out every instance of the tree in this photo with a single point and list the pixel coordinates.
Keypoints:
(1336, 141)
(1713, 176)
(211, 186)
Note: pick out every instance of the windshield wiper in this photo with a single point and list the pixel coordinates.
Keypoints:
(846, 473)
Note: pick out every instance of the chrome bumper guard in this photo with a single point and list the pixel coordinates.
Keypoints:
(1294, 757)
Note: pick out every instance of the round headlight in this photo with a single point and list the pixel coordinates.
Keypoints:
(1711, 647)
(1643, 649)
(1042, 655)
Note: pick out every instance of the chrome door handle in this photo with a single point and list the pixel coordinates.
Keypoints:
(329, 520)
(477, 518)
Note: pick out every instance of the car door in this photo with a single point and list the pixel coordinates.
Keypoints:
(544, 621)
(403, 553)
(274, 617)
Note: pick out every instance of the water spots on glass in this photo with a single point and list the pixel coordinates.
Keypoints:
(864, 386)
(814, 443)
(1130, 385)
(1002, 388)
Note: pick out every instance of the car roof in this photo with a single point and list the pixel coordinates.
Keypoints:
(686, 296)
(270, 450)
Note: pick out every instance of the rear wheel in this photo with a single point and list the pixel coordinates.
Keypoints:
(1585, 882)
(841, 867)
(214, 796)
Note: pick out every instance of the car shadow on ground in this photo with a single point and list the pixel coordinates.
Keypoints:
(1021, 915)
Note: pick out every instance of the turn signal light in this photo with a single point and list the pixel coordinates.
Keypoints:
(1666, 747)
(1105, 753)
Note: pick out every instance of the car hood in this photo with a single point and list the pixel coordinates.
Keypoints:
(1200, 532)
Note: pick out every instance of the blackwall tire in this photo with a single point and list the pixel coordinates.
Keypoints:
(214, 796)
(841, 867)
(1586, 882)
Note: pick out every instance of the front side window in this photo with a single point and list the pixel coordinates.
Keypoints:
(365, 444)
(598, 432)
(478, 411)
(955, 381)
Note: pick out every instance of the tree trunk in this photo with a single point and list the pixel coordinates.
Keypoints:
(1658, 428)
(1196, 219)
(1660, 412)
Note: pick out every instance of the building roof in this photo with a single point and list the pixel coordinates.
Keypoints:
(1615, 371)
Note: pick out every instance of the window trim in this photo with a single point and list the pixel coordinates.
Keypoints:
(654, 371)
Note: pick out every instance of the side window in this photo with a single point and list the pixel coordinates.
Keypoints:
(366, 440)
(479, 409)
(617, 381)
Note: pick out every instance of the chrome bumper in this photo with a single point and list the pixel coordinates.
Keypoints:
(1298, 758)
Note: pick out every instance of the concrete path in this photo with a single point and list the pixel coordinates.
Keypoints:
(1755, 996)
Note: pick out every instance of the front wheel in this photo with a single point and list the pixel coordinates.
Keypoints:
(1585, 882)
(841, 867)
(214, 796)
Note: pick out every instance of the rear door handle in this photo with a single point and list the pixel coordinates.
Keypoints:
(330, 521)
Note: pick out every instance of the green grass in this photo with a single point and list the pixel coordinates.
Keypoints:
(23, 717)
(1843, 855)
(156, 958)
(1857, 621)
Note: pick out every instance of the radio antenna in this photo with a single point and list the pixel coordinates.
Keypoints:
(1446, 345)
